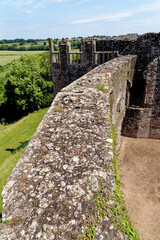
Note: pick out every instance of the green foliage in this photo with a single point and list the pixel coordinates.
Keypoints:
(29, 85)
(89, 233)
(4, 68)
(101, 87)
(55, 41)
(75, 58)
(23, 45)
(3, 71)
(55, 48)
(58, 109)
(2, 84)
(7, 56)
(7, 222)
(21, 220)
(12, 222)
(75, 43)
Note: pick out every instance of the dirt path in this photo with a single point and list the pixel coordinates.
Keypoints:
(140, 171)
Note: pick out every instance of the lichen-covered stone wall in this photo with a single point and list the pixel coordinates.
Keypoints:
(49, 194)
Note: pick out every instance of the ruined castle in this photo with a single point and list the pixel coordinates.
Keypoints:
(68, 165)
(142, 100)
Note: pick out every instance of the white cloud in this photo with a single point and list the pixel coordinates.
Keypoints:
(30, 6)
(146, 22)
(82, 1)
(29, 12)
(114, 17)
(122, 14)
(148, 7)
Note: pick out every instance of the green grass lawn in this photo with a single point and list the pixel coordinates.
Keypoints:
(13, 140)
(8, 56)
(75, 50)
(39, 43)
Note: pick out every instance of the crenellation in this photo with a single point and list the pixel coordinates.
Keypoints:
(68, 66)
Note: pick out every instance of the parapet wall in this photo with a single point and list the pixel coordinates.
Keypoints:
(67, 66)
(143, 114)
(50, 193)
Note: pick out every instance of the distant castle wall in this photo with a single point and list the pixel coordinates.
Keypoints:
(67, 66)
(143, 112)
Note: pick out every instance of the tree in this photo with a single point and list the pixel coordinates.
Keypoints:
(29, 85)
(75, 43)
(55, 48)
(22, 42)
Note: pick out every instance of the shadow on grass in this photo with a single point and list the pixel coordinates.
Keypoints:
(22, 145)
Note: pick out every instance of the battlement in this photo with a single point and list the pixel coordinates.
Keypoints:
(143, 107)
(67, 66)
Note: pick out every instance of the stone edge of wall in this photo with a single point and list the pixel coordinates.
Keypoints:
(113, 75)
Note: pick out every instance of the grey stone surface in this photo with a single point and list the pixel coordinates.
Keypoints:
(49, 193)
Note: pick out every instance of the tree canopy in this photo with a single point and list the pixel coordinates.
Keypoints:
(29, 85)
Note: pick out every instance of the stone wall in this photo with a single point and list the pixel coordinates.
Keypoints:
(64, 71)
(126, 37)
(144, 120)
(71, 73)
(112, 45)
(49, 194)
(143, 116)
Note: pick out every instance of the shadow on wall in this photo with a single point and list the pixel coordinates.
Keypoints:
(156, 104)
(138, 90)
(142, 117)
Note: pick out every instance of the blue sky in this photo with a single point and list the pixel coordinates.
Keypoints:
(73, 18)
